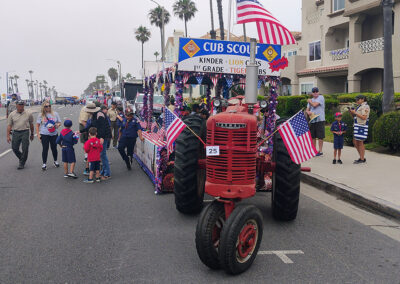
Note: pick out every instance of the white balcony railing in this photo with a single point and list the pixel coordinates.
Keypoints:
(372, 45)
(340, 54)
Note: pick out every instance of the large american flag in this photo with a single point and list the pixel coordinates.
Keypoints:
(270, 30)
(297, 138)
(174, 126)
(155, 136)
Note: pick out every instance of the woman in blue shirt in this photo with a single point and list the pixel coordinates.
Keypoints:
(46, 128)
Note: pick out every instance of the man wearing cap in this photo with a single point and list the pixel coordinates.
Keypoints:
(129, 131)
(316, 106)
(20, 122)
(84, 116)
(11, 105)
(361, 116)
(112, 114)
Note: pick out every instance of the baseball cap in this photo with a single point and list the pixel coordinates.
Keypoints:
(67, 123)
(315, 90)
(338, 114)
(361, 97)
(20, 102)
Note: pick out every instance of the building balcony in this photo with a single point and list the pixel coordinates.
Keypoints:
(372, 45)
(339, 54)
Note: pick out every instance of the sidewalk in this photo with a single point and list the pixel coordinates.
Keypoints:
(374, 185)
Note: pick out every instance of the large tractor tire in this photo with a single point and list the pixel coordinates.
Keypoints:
(285, 182)
(240, 239)
(208, 233)
(189, 180)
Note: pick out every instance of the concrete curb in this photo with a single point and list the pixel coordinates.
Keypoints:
(352, 195)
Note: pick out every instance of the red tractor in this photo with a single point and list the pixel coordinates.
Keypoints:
(228, 235)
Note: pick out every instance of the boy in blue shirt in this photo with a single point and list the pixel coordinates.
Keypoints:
(129, 130)
(338, 128)
(67, 139)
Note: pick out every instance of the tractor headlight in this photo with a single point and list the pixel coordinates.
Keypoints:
(263, 104)
(217, 103)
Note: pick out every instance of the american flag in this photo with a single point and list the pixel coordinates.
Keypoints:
(156, 136)
(297, 138)
(174, 126)
(270, 30)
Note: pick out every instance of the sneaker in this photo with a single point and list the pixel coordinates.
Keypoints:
(340, 162)
(88, 181)
(128, 165)
(56, 164)
(86, 172)
(319, 154)
(44, 167)
(105, 178)
(20, 167)
(98, 179)
(72, 175)
(334, 162)
(66, 175)
(359, 161)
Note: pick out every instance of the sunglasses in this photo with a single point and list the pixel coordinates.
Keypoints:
(47, 106)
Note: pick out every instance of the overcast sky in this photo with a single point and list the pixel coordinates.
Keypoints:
(67, 43)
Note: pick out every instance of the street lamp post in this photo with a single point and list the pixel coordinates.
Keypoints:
(119, 76)
(162, 30)
(388, 85)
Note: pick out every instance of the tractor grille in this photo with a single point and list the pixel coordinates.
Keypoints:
(236, 163)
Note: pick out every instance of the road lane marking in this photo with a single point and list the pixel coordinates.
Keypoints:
(282, 254)
(5, 153)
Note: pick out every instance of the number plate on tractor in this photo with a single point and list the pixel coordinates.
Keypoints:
(212, 150)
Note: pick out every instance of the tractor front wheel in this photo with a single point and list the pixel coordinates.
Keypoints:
(285, 182)
(240, 239)
(208, 233)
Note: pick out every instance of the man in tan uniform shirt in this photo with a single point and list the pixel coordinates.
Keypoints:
(20, 122)
(112, 114)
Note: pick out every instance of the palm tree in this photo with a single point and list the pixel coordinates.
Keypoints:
(212, 32)
(16, 77)
(45, 87)
(155, 16)
(142, 35)
(221, 19)
(388, 85)
(185, 10)
(113, 74)
(128, 76)
(156, 54)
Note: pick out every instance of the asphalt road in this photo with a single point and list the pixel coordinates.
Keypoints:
(56, 230)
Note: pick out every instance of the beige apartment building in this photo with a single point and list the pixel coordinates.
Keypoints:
(341, 48)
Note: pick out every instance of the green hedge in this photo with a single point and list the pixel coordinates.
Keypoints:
(289, 105)
(387, 130)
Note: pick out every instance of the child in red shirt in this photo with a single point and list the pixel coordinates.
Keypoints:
(93, 148)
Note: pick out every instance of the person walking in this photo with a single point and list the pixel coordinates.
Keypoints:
(128, 133)
(46, 127)
(11, 105)
(361, 119)
(84, 116)
(99, 120)
(67, 139)
(112, 114)
(316, 106)
(20, 122)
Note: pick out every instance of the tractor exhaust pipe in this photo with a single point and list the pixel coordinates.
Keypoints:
(252, 77)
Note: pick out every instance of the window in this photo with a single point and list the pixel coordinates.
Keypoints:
(314, 51)
(337, 5)
(292, 53)
(306, 88)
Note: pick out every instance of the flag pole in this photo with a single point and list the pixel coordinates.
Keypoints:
(277, 129)
(229, 19)
(191, 130)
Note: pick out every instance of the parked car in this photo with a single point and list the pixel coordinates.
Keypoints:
(158, 103)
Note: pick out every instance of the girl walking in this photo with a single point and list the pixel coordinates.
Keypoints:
(46, 127)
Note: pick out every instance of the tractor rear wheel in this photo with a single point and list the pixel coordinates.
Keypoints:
(285, 182)
(240, 239)
(189, 180)
(208, 233)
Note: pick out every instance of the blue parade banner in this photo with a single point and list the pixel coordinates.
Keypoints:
(225, 57)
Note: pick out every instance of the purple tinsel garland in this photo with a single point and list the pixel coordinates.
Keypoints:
(151, 96)
(208, 96)
(178, 95)
(161, 161)
(271, 118)
(145, 110)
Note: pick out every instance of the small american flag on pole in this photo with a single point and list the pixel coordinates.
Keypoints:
(174, 126)
(297, 138)
(270, 30)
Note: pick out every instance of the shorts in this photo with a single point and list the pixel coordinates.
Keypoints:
(68, 155)
(94, 166)
(338, 142)
(317, 130)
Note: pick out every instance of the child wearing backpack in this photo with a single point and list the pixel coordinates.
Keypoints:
(67, 139)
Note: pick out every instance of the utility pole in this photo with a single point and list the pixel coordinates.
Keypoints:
(388, 87)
